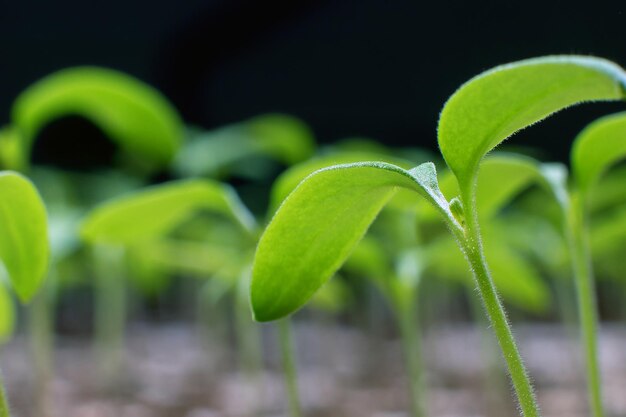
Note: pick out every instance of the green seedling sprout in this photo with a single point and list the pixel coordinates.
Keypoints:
(135, 116)
(24, 249)
(141, 220)
(132, 114)
(598, 147)
(131, 220)
(398, 272)
(320, 223)
(229, 150)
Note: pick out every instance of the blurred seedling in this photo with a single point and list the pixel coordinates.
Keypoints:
(138, 119)
(24, 249)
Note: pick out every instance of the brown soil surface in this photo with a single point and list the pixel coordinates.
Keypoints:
(169, 372)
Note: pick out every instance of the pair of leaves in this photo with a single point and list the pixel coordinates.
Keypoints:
(280, 137)
(151, 213)
(131, 113)
(322, 220)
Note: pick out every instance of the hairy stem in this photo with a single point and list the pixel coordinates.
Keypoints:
(471, 244)
(495, 390)
(289, 367)
(586, 297)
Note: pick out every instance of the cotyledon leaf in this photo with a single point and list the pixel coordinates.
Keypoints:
(131, 113)
(279, 136)
(497, 103)
(319, 224)
(290, 179)
(599, 146)
(24, 247)
(156, 210)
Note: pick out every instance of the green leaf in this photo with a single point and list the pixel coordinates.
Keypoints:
(290, 179)
(24, 248)
(281, 137)
(320, 223)
(154, 211)
(599, 146)
(494, 105)
(11, 155)
(131, 113)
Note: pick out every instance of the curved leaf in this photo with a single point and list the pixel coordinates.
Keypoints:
(290, 179)
(11, 156)
(279, 136)
(494, 105)
(24, 247)
(156, 210)
(599, 146)
(131, 113)
(319, 224)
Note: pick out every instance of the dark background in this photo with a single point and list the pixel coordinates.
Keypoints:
(375, 68)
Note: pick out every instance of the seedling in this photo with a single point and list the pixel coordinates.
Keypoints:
(132, 114)
(320, 223)
(24, 247)
(146, 128)
(132, 220)
(235, 149)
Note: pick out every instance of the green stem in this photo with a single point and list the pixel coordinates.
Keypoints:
(248, 336)
(109, 313)
(289, 367)
(587, 308)
(5, 410)
(41, 334)
(472, 246)
(494, 388)
(409, 328)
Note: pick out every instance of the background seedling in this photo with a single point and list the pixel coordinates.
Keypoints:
(24, 247)
(137, 118)
(147, 216)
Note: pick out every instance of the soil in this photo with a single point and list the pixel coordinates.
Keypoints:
(171, 371)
